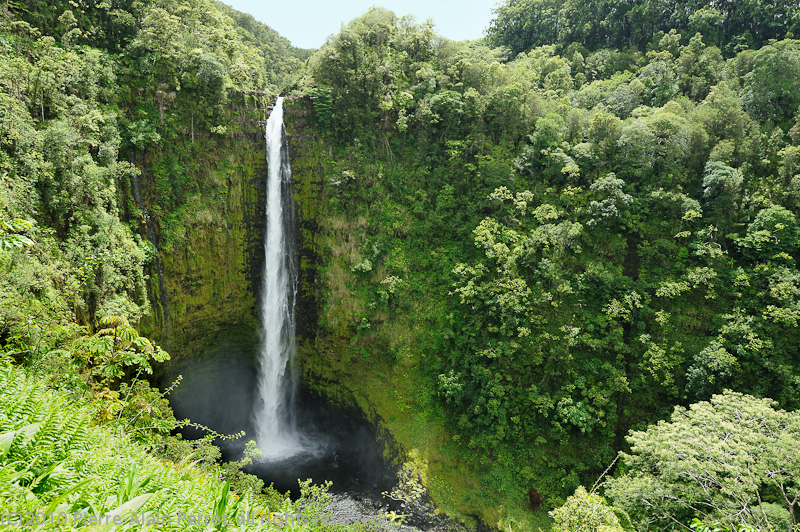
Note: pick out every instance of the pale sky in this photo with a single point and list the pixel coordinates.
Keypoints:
(307, 23)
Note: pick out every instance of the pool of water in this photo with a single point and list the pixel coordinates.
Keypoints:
(339, 445)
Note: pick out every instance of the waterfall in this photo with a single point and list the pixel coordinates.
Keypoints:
(276, 433)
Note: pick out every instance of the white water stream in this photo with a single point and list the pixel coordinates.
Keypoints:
(276, 431)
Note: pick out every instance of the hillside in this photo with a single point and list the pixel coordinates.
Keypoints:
(89, 96)
(526, 256)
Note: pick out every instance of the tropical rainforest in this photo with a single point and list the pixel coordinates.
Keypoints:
(558, 263)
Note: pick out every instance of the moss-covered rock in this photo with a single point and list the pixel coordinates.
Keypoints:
(211, 246)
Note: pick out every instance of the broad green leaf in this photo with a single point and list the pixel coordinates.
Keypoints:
(6, 439)
(125, 509)
(29, 431)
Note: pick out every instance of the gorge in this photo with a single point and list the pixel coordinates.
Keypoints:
(530, 271)
(299, 434)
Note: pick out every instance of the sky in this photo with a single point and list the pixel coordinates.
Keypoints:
(307, 23)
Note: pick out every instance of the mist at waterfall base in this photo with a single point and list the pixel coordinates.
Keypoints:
(219, 389)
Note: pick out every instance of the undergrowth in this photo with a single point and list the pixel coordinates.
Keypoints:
(58, 469)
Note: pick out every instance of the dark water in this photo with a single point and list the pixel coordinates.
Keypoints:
(218, 390)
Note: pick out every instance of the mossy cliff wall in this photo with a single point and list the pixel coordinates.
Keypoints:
(308, 155)
(211, 246)
(345, 343)
(325, 335)
(311, 159)
(319, 347)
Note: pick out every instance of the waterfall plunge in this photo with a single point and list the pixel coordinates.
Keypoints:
(276, 433)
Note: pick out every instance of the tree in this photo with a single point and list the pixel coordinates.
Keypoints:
(723, 460)
(354, 66)
(111, 354)
(723, 117)
(699, 67)
(609, 190)
(115, 348)
(730, 24)
(722, 188)
(585, 512)
(771, 90)
(773, 235)
(524, 24)
(159, 46)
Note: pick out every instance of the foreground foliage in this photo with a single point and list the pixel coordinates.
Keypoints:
(53, 461)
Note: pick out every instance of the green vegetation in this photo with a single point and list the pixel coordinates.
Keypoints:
(731, 461)
(585, 511)
(60, 472)
(83, 130)
(528, 246)
(120, 144)
(730, 25)
(548, 251)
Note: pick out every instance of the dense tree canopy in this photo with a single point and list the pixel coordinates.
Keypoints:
(731, 25)
(590, 232)
(731, 461)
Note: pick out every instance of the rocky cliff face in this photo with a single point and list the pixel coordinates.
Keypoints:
(211, 272)
(308, 155)
(321, 349)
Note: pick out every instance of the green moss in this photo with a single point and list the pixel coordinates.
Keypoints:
(392, 393)
(209, 242)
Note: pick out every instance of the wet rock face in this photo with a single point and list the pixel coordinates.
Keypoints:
(212, 263)
(307, 153)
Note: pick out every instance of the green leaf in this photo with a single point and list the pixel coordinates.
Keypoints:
(123, 510)
(51, 508)
(6, 439)
(29, 431)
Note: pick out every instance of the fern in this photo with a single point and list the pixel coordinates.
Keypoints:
(53, 460)
(73, 431)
